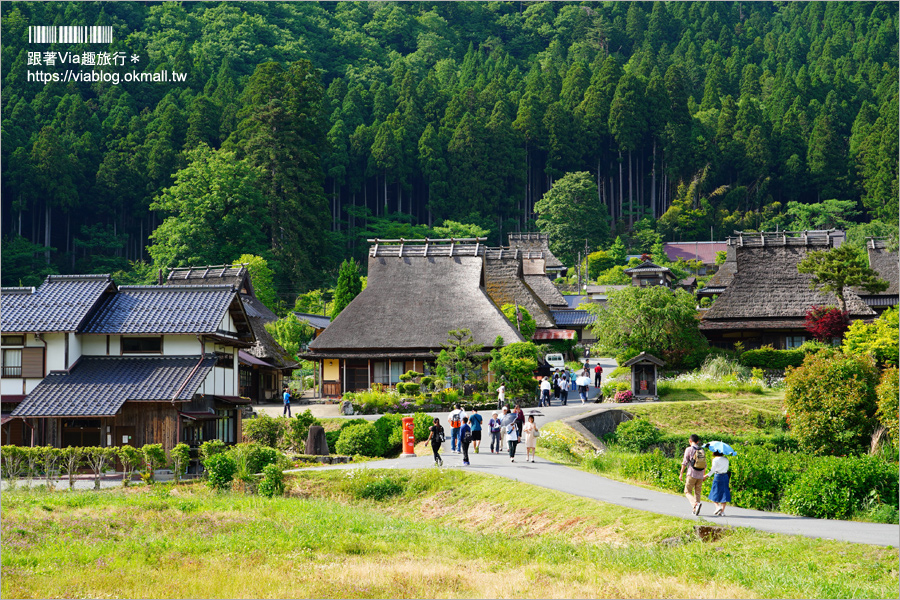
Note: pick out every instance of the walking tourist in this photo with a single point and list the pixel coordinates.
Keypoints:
(504, 421)
(598, 375)
(564, 388)
(475, 424)
(287, 402)
(465, 438)
(494, 426)
(695, 462)
(720, 493)
(436, 437)
(545, 392)
(530, 437)
(520, 420)
(512, 438)
(455, 423)
(501, 396)
(556, 390)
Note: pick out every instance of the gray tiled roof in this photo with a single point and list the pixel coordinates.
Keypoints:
(162, 309)
(99, 385)
(316, 321)
(647, 267)
(61, 303)
(573, 317)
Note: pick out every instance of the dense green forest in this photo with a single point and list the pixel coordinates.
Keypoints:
(303, 128)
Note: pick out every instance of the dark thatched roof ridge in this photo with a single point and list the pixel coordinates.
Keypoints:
(505, 284)
(536, 242)
(412, 302)
(767, 285)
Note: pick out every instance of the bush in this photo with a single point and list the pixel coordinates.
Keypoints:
(360, 439)
(180, 457)
(220, 470)
(252, 458)
(759, 476)
(719, 367)
(131, 458)
(211, 448)
(421, 423)
(390, 428)
(626, 355)
(380, 489)
(623, 396)
(265, 430)
(637, 435)
(836, 488)
(654, 468)
(769, 358)
(272, 483)
(610, 388)
(298, 430)
(154, 458)
(332, 437)
(879, 339)
(830, 403)
(887, 393)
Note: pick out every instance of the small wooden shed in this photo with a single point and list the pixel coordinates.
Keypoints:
(643, 375)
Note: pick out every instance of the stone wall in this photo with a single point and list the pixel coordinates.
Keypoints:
(595, 424)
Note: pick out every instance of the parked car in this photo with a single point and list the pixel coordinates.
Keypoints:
(556, 361)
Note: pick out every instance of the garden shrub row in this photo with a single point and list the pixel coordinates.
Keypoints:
(283, 433)
(383, 437)
(769, 358)
(825, 487)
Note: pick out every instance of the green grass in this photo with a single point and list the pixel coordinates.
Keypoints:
(742, 414)
(439, 533)
(679, 391)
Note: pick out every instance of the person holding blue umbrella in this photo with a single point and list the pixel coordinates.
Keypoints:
(720, 494)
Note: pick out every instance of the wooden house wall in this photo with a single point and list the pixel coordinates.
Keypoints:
(149, 423)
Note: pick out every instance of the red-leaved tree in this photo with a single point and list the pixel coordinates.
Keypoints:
(827, 322)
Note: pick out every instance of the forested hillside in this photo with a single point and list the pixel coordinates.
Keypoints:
(302, 128)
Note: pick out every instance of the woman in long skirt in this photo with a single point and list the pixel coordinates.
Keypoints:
(720, 493)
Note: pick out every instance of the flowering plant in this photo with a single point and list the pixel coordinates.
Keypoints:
(623, 396)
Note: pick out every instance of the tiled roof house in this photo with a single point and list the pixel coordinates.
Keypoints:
(87, 363)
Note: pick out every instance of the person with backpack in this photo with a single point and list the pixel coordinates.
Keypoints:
(494, 426)
(695, 462)
(720, 494)
(436, 437)
(455, 424)
(520, 420)
(475, 424)
(465, 438)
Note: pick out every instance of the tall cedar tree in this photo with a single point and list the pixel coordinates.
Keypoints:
(281, 131)
(571, 213)
(349, 285)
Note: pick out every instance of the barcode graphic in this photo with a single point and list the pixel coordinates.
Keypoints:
(75, 34)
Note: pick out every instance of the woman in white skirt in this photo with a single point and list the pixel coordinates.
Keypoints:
(530, 435)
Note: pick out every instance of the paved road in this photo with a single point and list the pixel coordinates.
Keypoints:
(580, 483)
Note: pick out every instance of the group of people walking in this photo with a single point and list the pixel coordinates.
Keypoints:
(564, 381)
(507, 429)
(694, 462)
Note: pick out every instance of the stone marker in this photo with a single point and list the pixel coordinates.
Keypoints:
(316, 443)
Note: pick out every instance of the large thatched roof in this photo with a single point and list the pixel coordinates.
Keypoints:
(767, 290)
(884, 262)
(546, 291)
(504, 283)
(409, 305)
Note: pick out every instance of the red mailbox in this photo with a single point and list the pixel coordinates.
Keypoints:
(409, 437)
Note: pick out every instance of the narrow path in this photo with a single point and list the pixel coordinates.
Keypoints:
(554, 476)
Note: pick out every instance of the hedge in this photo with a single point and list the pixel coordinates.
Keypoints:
(768, 358)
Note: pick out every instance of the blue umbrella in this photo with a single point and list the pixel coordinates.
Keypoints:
(721, 447)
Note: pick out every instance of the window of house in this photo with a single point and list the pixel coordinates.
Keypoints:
(225, 426)
(13, 340)
(12, 362)
(794, 341)
(246, 378)
(141, 345)
(225, 360)
(385, 374)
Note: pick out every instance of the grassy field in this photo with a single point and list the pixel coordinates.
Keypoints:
(727, 414)
(431, 533)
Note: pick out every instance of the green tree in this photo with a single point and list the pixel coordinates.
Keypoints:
(453, 229)
(836, 269)
(459, 356)
(526, 326)
(651, 319)
(879, 339)
(290, 334)
(515, 364)
(263, 280)
(828, 214)
(571, 213)
(348, 286)
(217, 212)
(830, 403)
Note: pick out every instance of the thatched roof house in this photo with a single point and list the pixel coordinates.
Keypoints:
(418, 290)
(505, 284)
(767, 301)
(884, 262)
(539, 242)
(722, 278)
(535, 275)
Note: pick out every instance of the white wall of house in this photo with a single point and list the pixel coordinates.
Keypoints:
(182, 345)
(75, 348)
(227, 323)
(56, 351)
(15, 386)
(93, 345)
